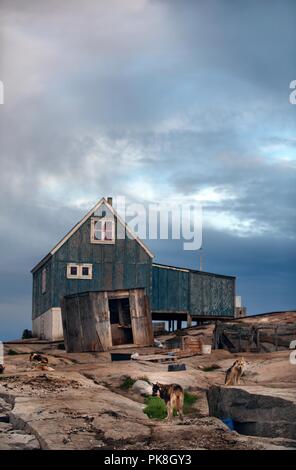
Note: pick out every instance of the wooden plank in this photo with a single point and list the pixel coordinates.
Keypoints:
(163, 289)
(107, 270)
(156, 358)
(100, 307)
(90, 340)
(71, 325)
(173, 289)
(118, 269)
(155, 288)
(141, 318)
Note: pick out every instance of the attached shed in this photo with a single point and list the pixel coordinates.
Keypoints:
(179, 293)
(98, 321)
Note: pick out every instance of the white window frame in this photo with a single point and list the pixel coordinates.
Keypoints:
(43, 280)
(94, 220)
(90, 268)
(79, 267)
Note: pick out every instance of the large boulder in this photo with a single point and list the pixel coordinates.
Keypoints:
(256, 410)
(142, 387)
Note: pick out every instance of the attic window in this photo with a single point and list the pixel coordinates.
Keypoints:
(102, 230)
(79, 271)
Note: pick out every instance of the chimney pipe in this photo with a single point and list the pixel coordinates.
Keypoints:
(109, 200)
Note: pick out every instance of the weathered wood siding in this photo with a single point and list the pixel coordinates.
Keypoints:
(119, 266)
(141, 318)
(211, 295)
(198, 293)
(86, 321)
(42, 302)
(170, 290)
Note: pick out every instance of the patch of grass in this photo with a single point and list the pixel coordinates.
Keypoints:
(211, 368)
(127, 383)
(156, 407)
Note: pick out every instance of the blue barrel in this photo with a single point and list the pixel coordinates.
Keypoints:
(229, 423)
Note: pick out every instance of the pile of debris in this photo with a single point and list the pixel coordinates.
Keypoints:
(262, 333)
(189, 343)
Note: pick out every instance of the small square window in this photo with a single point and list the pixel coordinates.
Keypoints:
(79, 271)
(73, 270)
(85, 271)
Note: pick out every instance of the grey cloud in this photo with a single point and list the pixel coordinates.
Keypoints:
(100, 96)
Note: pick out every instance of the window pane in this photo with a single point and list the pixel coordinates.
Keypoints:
(98, 230)
(109, 230)
(73, 270)
(85, 271)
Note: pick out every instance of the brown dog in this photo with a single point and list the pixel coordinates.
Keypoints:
(173, 396)
(234, 373)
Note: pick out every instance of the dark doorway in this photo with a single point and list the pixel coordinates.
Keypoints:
(120, 319)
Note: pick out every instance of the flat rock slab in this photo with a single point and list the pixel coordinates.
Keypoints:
(93, 418)
(11, 439)
(201, 434)
(256, 410)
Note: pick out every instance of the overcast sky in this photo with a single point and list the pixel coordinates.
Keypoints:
(155, 100)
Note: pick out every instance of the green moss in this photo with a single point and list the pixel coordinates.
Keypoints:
(127, 383)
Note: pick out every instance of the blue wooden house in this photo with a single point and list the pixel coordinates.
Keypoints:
(96, 281)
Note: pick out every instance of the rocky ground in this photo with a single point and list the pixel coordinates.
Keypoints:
(81, 405)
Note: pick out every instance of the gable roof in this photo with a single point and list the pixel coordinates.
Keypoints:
(81, 222)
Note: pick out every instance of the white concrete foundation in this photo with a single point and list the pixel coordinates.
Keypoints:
(49, 325)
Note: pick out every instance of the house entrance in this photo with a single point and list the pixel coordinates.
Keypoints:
(120, 319)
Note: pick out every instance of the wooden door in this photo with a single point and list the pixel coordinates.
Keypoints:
(141, 318)
(71, 324)
(100, 308)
